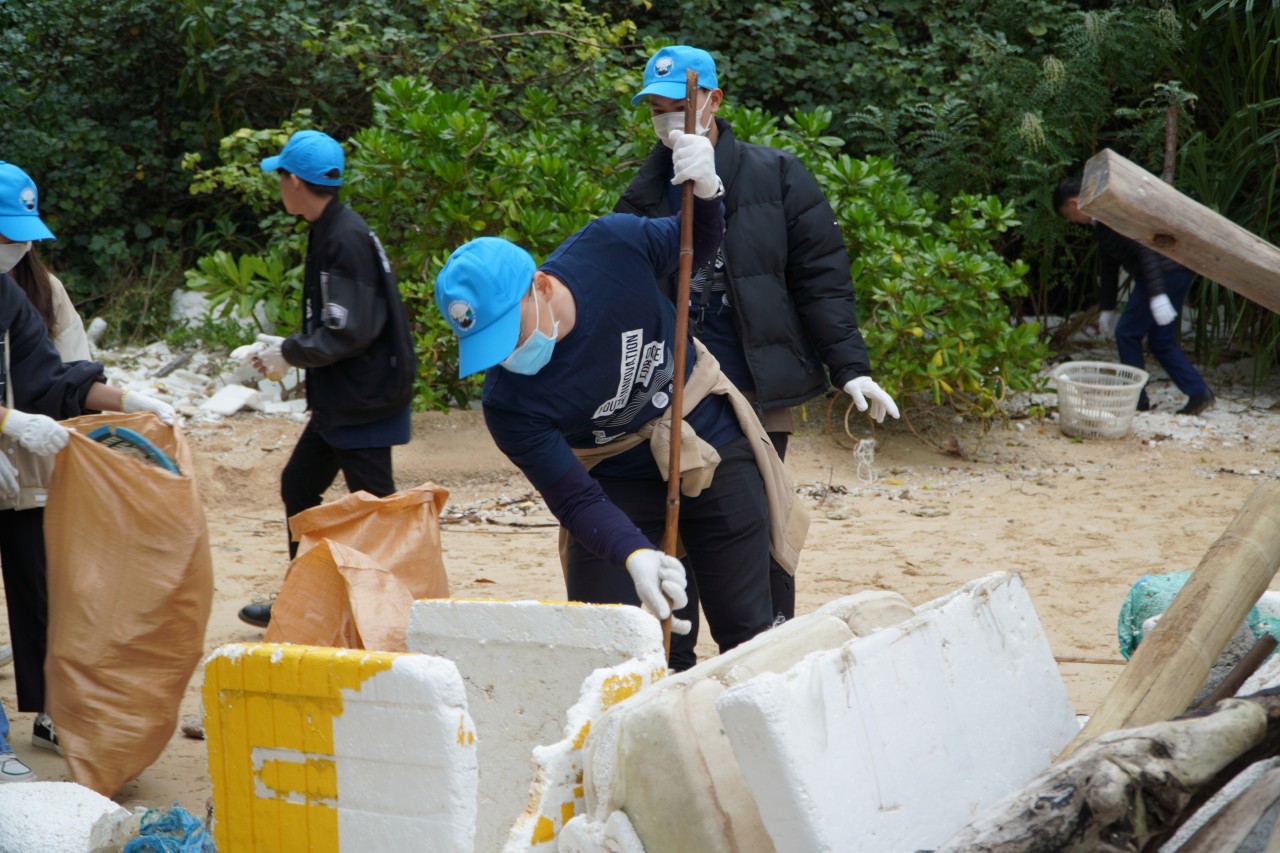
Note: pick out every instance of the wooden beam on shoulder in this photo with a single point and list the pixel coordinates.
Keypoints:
(1141, 206)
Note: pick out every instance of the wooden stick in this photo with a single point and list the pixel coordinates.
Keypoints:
(1240, 673)
(1139, 205)
(1173, 660)
(671, 536)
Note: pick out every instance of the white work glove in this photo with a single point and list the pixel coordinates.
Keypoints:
(694, 159)
(8, 479)
(864, 390)
(42, 435)
(270, 361)
(135, 402)
(1162, 310)
(1107, 324)
(657, 577)
(246, 353)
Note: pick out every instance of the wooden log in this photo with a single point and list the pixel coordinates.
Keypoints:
(1172, 662)
(1129, 790)
(1139, 205)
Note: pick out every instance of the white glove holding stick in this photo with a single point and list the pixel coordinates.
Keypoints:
(1107, 324)
(1162, 310)
(270, 360)
(693, 158)
(132, 401)
(42, 435)
(865, 391)
(657, 577)
(8, 479)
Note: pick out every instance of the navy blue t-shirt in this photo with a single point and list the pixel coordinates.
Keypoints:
(610, 375)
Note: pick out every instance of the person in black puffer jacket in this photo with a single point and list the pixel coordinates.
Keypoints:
(355, 342)
(776, 308)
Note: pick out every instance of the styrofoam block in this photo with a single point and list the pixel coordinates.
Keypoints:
(50, 817)
(663, 757)
(616, 835)
(333, 749)
(285, 407)
(524, 663)
(228, 400)
(894, 740)
(557, 795)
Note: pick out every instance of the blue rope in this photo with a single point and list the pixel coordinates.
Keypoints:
(174, 831)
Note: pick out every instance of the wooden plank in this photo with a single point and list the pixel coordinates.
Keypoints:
(1172, 662)
(1229, 828)
(1139, 205)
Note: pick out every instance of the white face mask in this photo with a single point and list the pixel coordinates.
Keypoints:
(11, 253)
(664, 123)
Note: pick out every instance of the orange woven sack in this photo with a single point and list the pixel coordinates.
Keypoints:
(361, 562)
(130, 589)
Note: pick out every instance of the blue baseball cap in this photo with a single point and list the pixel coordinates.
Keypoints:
(479, 291)
(664, 74)
(20, 206)
(311, 155)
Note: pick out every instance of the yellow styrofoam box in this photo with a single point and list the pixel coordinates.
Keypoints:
(322, 749)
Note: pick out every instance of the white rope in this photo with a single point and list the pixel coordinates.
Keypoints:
(865, 453)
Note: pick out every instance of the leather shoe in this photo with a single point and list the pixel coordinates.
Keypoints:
(1198, 404)
(257, 615)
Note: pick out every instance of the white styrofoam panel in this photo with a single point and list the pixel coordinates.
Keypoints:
(523, 663)
(894, 740)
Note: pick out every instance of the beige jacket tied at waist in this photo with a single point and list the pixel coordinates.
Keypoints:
(788, 519)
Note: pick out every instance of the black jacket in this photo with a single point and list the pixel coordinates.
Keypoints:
(1146, 265)
(787, 271)
(355, 340)
(33, 378)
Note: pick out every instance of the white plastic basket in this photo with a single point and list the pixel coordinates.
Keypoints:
(1097, 399)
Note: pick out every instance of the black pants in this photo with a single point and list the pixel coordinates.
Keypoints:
(782, 586)
(725, 531)
(26, 591)
(314, 466)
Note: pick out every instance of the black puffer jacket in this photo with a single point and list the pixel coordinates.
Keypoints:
(355, 340)
(787, 271)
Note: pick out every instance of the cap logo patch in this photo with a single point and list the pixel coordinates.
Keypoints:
(663, 66)
(27, 198)
(461, 315)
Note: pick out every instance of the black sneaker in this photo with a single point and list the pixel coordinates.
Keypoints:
(257, 614)
(44, 735)
(1199, 403)
(1144, 405)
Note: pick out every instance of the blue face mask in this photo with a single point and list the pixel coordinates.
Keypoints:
(533, 355)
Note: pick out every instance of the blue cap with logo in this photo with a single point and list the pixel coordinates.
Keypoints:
(479, 291)
(664, 75)
(311, 155)
(20, 206)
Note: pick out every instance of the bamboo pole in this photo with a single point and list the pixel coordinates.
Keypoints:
(1171, 664)
(672, 533)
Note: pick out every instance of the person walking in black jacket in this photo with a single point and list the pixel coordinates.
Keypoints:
(355, 342)
(776, 307)
(1159, 286)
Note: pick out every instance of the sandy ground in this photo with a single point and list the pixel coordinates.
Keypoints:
(1081, 521)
